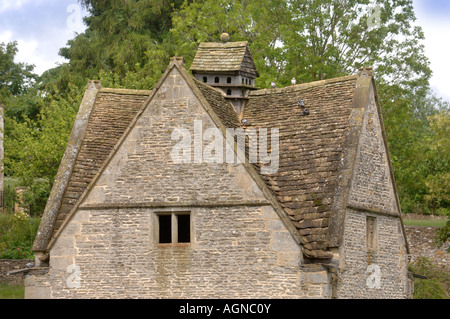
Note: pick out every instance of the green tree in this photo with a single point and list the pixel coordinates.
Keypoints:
(123, 37)
(438, 179)
(34, 147)
(15, 78)
(313, 39)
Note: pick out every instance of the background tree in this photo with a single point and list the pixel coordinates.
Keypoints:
(15, 78)
(129, 43)
(319, 39)
(123, 37)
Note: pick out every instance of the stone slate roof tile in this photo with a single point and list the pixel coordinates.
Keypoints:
(224, 57)
(310, 146)
(112, 112)
(223, 108)
(310, 149)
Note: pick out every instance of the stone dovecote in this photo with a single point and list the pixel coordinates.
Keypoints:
(228, 66)
(326, 224)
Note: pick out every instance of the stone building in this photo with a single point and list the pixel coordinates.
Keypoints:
(129, 217)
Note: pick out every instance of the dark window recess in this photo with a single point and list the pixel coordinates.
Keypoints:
(229, 92)
(228, 80)
(165, 229)
(371, 233)
(205, 79)
(216, 79)
(184, 228)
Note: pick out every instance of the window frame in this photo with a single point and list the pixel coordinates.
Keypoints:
(174, 223)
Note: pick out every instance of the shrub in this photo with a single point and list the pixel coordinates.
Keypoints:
(443, 234)
(436, 286)
(17, 233)
(36, 195)
(9, 193)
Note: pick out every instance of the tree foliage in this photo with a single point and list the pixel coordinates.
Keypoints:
(312, 39)
(15, 78)
(129, 43)
(123, 37)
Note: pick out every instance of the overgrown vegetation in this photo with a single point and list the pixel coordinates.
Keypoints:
(17, 233)
(443, 235)
(437, 284)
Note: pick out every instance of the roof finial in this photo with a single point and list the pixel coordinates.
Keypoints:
(224, 37)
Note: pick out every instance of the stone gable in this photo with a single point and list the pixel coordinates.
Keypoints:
(372, 185)
(142, 169)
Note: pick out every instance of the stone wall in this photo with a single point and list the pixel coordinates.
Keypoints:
(381, 273)
(7, 265)
(372, 186)
(236, 252)
(110, 249)
(143, 170)
(373, 260)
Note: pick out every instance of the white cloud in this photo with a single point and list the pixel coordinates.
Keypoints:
(6, 36)
(437, 30)
(6, 5)
(43, 55)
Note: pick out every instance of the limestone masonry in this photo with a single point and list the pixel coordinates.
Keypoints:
(125, 221)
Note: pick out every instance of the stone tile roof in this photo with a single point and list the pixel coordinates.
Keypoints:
(230, 57)
(111, 114)
(310, 149)
(224, 110)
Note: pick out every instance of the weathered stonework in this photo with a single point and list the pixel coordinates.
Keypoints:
(142, 169)
(372, 186)
(357, 263)
(8, 265)
(235, 253)
(372, 195)
(317, 228)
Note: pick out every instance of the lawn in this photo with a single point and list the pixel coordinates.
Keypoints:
(11, 292)
(425, 222)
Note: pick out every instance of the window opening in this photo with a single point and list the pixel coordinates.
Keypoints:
(184, 228)
(165, 229)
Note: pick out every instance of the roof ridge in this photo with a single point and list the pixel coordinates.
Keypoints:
(125, 91)
(221, 44)
(303, 86)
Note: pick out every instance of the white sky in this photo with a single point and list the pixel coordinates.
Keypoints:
(42, 27)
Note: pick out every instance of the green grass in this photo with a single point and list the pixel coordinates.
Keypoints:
(11, 292)
(437, 286)
(424, 222)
